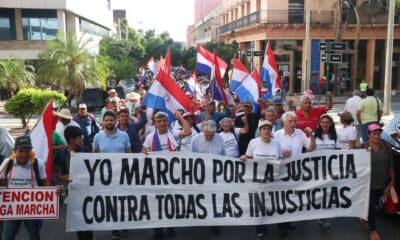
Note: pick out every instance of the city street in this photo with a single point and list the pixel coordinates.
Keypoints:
(342, 228)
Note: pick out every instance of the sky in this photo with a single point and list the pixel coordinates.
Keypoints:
(172, 16)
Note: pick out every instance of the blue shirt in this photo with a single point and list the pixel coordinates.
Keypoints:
(117, 143)
(89, 127)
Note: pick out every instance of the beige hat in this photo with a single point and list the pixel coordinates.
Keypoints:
(112, 91)
(64, 113)
(263, 123)
(132, 96)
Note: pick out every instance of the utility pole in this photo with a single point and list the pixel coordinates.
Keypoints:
(307, 72)
(387, 95)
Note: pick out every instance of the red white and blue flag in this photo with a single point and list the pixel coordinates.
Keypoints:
(41, 137)
(151, 64)
(166, 95)
(182, 68)
(205, 61)
(246, 86)
(167, 63)
(217, 89)
(269, 73)
(193, 86)
(160, 64)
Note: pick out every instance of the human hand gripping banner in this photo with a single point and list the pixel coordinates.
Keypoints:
(129, 191)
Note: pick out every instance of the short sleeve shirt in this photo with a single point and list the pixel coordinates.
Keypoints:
(265, 151)
(345, 135)
(231, 144)
(117, 143)
(312, 119)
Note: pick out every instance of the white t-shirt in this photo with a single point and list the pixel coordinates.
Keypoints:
(163, 138)
(352, 106)
(325, 144)
(345, 135)
(185, 144)
(265, 151)
(21, 176)
(231, 145)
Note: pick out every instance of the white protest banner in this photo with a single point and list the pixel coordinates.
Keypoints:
(127, 191)
(29, 203)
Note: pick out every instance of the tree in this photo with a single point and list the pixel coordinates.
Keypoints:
(31, 101)
(15, 74)
(67, 62)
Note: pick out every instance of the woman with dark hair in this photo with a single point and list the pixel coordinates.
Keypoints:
(325, 134)
(347, 134)
(325, 139)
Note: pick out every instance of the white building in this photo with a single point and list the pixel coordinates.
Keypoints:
(26, 25)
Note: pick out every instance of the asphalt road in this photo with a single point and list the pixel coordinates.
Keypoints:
(342, 228)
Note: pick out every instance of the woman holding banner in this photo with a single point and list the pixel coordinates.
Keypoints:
(264, 148)
(325, 139)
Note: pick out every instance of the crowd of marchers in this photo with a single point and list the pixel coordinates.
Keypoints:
(274, 130)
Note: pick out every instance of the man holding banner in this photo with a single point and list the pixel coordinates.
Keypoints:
(161, 139)
(111, 140)
(23, 170)
(292, 141)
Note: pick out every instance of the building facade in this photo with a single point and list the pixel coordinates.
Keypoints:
(25, 26)
(358, 28)
(207, 21)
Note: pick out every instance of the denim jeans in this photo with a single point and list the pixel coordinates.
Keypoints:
(10, 229)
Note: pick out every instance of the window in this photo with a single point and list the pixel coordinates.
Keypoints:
(92, 28)
(7, 24)
(39, 24)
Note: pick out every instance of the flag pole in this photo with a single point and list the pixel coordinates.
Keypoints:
(213, 76)
(41, 115)
(241, 81)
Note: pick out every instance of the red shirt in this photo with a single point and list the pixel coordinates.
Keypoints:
(312, 119)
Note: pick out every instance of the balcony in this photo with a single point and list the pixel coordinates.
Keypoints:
(298, 17)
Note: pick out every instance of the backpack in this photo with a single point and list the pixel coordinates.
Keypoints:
(35, 166)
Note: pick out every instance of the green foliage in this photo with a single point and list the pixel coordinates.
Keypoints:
(31, 101)
(15, 74)
(67, 62)
(124, 68)
(122, 55)
(135, 48)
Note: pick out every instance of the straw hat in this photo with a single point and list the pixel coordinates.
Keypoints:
(132, 96)
(64, 113)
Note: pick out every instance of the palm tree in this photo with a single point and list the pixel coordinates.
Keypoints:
(15, 74)
(68, 63)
